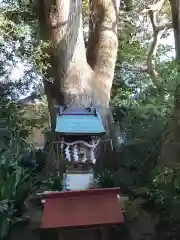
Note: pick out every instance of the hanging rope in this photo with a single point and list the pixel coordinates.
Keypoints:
(94, 145)
(82, 151)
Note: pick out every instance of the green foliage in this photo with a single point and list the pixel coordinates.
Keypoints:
(40, 58)
(54, 181)
(128, 4)
(85, 11)
(20, 165)
(164, 198)
(140, 111)
(104, 180)
(143, 115)
(15, 185)
(165, 186)
(18, 179)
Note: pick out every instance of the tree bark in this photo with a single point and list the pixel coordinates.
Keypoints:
(175, 9)
(170, 153)
(73, 78)
(69, 70)
(79, 78)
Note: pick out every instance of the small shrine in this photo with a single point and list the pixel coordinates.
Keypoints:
(78, 132)
(77, 212)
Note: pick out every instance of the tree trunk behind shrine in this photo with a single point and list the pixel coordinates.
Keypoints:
(78, 77)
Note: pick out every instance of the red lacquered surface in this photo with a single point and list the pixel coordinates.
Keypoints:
(82, 208)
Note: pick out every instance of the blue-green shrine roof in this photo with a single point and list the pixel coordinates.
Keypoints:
(79, 123)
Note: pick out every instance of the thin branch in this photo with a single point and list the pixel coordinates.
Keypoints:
(163, 27)
(153, 48)
(132, 68)
(155, 7)
(150, 63)
(152, 17)
(158, 31)
(34, 96)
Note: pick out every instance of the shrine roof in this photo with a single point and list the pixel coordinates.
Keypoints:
(82, 208)
(79, 121)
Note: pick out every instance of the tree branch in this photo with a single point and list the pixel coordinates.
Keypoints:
(152, 17)
(132, 69)
(155, 7)
(103, 51)
(158, 31)
(93, 37)
(152, 51)
(165, 26)
(34, 96)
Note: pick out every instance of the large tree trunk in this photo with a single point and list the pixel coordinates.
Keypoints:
(79, 78)
(170, 154)
(175, 9)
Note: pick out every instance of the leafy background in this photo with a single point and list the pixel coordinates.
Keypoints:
(140, 111)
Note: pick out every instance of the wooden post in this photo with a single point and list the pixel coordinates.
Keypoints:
(104, 233)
